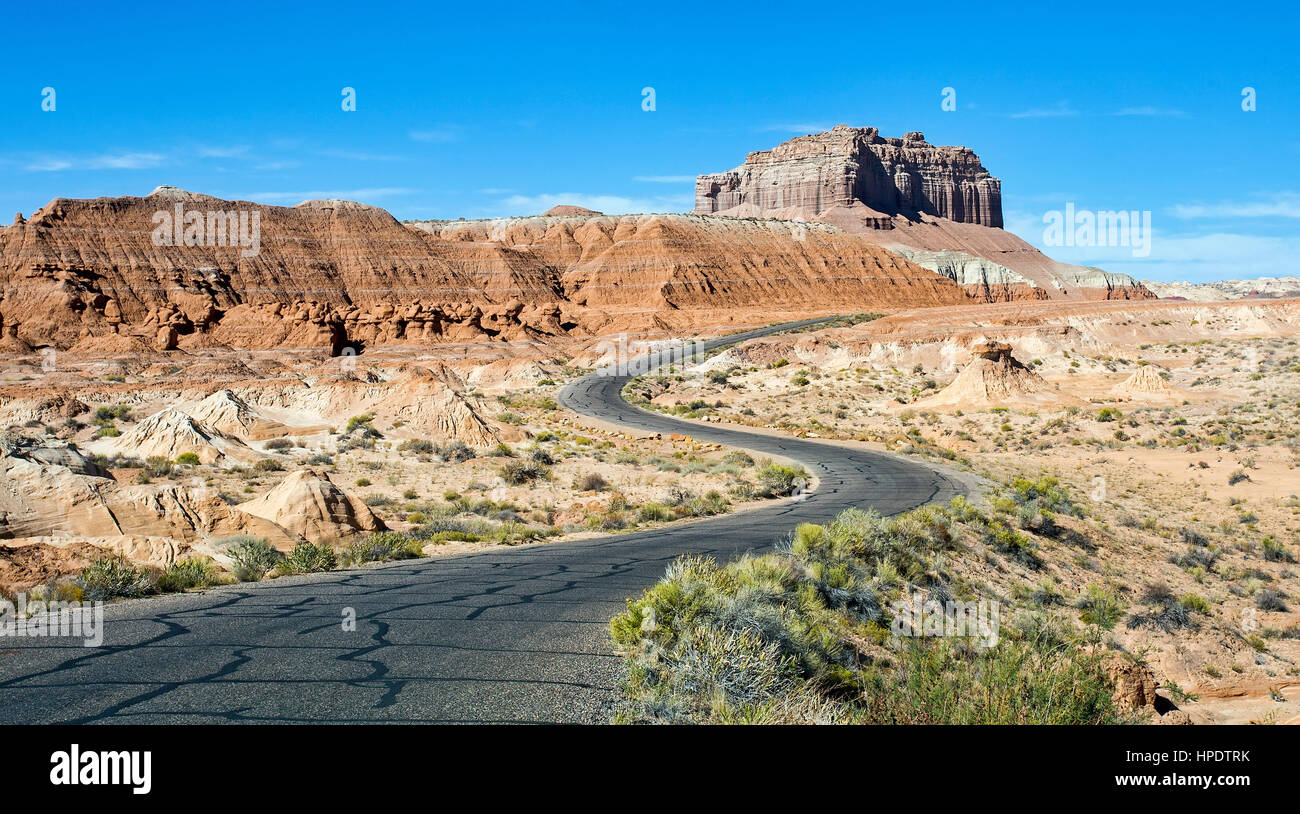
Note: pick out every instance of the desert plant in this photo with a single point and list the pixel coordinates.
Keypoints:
(590, 482)
(307, 558)
(778, 480)
(252, 558)
(189, 573)
(113, 577)
(380, 547)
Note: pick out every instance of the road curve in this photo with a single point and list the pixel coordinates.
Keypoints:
(507, 635)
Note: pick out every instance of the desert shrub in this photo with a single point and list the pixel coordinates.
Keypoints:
(778, 638)
(1109, 414)
(113, 577)
(307, 558)
(361, 423)
(1046, 493)
(277, 444)
(107, 432)
(737, 458)
(1237, 477)
(503, 450)
(156, 466)
(520, 472)
(187, 459)
(540, 456)
(454, 451)
(189, 573)
(711, 503)
(1270, 601)
(778, 480)
(380, 547)
(1275, 551)
(653, 513)
(416, 446)
(268, 465)
(1100, 606)
(252, 558)
(590, 482)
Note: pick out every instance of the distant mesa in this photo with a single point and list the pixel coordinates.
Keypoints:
(567, 209)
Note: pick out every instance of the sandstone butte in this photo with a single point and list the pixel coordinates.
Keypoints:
(938, 206)
(87, 275)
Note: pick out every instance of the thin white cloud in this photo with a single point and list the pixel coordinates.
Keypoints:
(353, 155)
(1279, 205)
(1151, 111)
(223, 152)
(108, 161)
(362, 195)
(665, 179)
(496, 191)
(609, 204)
(1055, 111)
(437, 135)
(275, 166)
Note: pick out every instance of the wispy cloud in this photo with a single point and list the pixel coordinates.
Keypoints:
(1055, 111)
(1151, 111)
(665, 179)
(276, 166)
(1278, 205)
(436, 135)
(108, 161)
(363, 195)
(808, 127)
(609, 204)
(496, 191)
(354, 155)
(238, 151)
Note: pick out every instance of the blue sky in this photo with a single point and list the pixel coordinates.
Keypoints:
(504, 109)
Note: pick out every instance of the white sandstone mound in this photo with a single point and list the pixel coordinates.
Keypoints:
(307, 503)
(1146, 384)
(170, 433)
(229, 414)
(995, 379)
(1145, 380)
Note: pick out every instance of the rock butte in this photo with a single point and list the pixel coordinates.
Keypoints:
(938, 206)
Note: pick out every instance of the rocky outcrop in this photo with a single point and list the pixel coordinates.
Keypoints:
(856, 165)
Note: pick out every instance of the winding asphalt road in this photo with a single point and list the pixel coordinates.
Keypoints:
(508, 635)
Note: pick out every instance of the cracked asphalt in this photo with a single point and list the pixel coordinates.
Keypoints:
(512, 635)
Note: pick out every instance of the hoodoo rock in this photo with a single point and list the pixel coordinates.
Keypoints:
(856, 165)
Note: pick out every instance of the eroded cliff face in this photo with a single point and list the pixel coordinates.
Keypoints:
(94, 275)
(856, 165)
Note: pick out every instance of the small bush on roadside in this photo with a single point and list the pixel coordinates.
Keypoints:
(307, 558)
(114, 577)
(252, 558)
